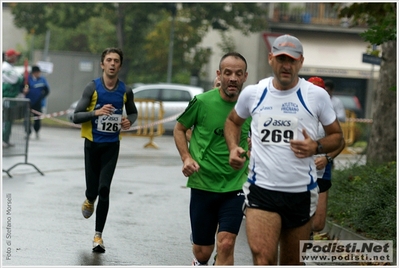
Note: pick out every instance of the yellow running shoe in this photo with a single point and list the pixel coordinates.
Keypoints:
(87, 208)
(98, 244)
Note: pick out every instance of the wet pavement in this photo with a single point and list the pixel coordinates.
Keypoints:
(148, 220)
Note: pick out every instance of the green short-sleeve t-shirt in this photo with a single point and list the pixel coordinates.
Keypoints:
(207, 112)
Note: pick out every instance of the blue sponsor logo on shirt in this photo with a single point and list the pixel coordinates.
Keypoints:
(290, 108)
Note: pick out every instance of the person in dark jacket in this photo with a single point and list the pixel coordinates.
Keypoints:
(38, 90)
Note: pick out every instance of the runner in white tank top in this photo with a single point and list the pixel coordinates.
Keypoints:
(281, 191)
(277, 117)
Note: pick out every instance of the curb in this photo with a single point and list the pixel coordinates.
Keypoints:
(338, 232)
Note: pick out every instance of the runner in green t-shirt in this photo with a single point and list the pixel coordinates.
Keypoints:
(216, 188)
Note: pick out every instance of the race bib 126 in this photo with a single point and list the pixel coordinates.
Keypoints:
(109, 123)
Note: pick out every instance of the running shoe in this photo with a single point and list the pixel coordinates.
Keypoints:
(98, 244)
(87, 208)
(197, 263)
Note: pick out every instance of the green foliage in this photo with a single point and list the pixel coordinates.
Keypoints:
(30, 16)
(140, 29)
(227, 43)
(182, 78)
(381, 32)
(246, 17)
(186, 39)
(363, 198)
(380, 17)
(363, 130)
(84, 38)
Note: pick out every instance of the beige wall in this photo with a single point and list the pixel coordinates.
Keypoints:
(248, 46)
(71, 73)
(333, 54)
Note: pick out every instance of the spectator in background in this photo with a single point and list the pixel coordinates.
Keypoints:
(337, 103)
(38, 91)
(12, 86)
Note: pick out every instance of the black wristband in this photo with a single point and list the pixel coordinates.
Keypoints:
(329, 159)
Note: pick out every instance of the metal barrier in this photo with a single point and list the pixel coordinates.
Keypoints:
(148, 124)
(349, 131)
(348, 128)
(16, 120)
(149, 121)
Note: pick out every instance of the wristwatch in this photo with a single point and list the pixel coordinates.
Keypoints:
(319, 149)
(329, 159)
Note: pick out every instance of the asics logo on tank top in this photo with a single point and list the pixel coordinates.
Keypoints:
(109, 118)
(268, 122)
(279, 123)
(289, 108)
(264, 108)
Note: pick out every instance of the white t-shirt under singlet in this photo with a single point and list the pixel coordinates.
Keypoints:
(277, 117)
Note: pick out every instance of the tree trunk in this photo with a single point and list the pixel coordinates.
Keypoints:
(382, 142)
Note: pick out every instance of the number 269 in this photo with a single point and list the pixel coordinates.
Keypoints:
(276, 136)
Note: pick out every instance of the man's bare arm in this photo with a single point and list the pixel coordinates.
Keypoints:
(232, 133)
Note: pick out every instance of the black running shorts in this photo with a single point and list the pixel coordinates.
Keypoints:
(295, 209)
(211, 212)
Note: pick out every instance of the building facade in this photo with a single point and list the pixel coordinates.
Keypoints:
(332, 50)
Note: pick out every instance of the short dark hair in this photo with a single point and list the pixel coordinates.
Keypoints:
(35, 69)
(112, 50)
(329, 83)
(233, 54)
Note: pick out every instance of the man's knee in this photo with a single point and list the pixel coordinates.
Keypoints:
(226, 244)
(264, 254)
(203, 253)
(264, 259)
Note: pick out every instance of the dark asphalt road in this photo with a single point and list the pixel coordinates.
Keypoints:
(148, 220)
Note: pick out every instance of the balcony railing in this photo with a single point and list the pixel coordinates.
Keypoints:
(306, 13)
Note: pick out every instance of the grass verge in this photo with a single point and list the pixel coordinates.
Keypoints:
(363, 199)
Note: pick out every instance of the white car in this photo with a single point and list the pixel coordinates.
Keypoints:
(174, 97)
